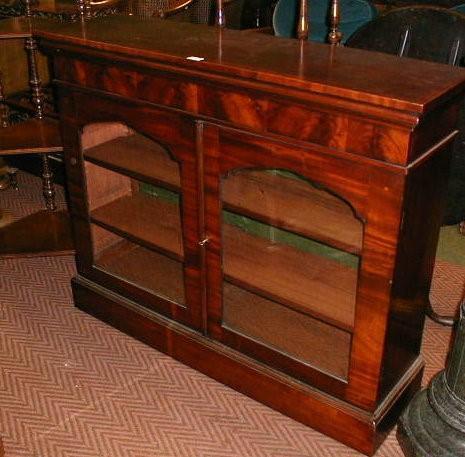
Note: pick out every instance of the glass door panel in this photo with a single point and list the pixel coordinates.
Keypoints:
(133, 191)
(131, 262)
(290, 267)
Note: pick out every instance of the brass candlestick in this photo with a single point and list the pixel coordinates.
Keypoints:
(302, 23)
(335, 35)
(220, 18)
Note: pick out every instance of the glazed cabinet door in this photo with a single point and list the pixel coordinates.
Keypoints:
(133, 184)
(285, 258)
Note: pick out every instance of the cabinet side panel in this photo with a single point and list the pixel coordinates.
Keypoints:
(376, 277)
(423, 210)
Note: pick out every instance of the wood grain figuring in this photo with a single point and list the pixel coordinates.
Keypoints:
(311, 284)
(343, 73)
(309, 122)
(315, 343)
(147, 269)
(351, 122)
(138, 156)
(146, 219)
(294, 205)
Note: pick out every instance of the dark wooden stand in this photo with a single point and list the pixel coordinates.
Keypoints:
(265, 211)
(45, 232)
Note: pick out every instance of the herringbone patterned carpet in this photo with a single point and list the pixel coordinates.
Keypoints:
(73, 386)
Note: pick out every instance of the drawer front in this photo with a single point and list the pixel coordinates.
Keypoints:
(253, 109)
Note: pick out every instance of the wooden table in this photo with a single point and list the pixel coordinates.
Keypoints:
(263, 210)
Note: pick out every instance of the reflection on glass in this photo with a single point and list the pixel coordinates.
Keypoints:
(134, 205)
(138, 265)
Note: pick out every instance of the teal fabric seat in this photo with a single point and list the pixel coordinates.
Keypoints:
(459, 8)
(354, 14)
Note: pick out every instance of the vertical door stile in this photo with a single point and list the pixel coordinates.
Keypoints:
(203, 238)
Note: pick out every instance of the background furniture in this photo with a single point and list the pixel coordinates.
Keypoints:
(432, 34)
(48, 231)
(190, 185)
(354, 13)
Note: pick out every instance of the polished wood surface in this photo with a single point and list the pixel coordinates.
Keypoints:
(34, 136)
(313, 212)
(369, 143)
(148, 161)
(15, 27)
(322, 69)
(39, 234)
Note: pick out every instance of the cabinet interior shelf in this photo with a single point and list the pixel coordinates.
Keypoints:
(294, 205)
(297, 206)
(306, 282)
(145, 268)
(301, 337)
(138, 157)
(132, 216)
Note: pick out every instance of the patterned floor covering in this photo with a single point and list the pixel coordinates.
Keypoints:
(71, 386)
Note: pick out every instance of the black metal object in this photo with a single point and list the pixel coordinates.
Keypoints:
(433, 425)
(437, 35)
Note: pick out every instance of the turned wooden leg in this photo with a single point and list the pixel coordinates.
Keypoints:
(4, 180)
(37, 94)
(47, 184)
(4, 113)
(462, 228)
(12, 175)
(37, 99)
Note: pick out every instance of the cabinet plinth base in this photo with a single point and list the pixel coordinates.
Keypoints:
(359, 429)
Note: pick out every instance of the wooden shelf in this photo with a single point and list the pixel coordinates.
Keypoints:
(44, 233)
(302, 338)
(138, 157)
(303, 281)
(150, 221)
(15, 27)
(312, 284)
(34, 136)
(294, 205)
(144, 268)
(284, 202)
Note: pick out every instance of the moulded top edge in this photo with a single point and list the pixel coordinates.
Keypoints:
(358, 75)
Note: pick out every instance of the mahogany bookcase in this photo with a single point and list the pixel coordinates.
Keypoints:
(263, 210)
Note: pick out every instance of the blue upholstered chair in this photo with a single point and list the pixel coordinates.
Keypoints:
(459, 8)
(354, 13)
